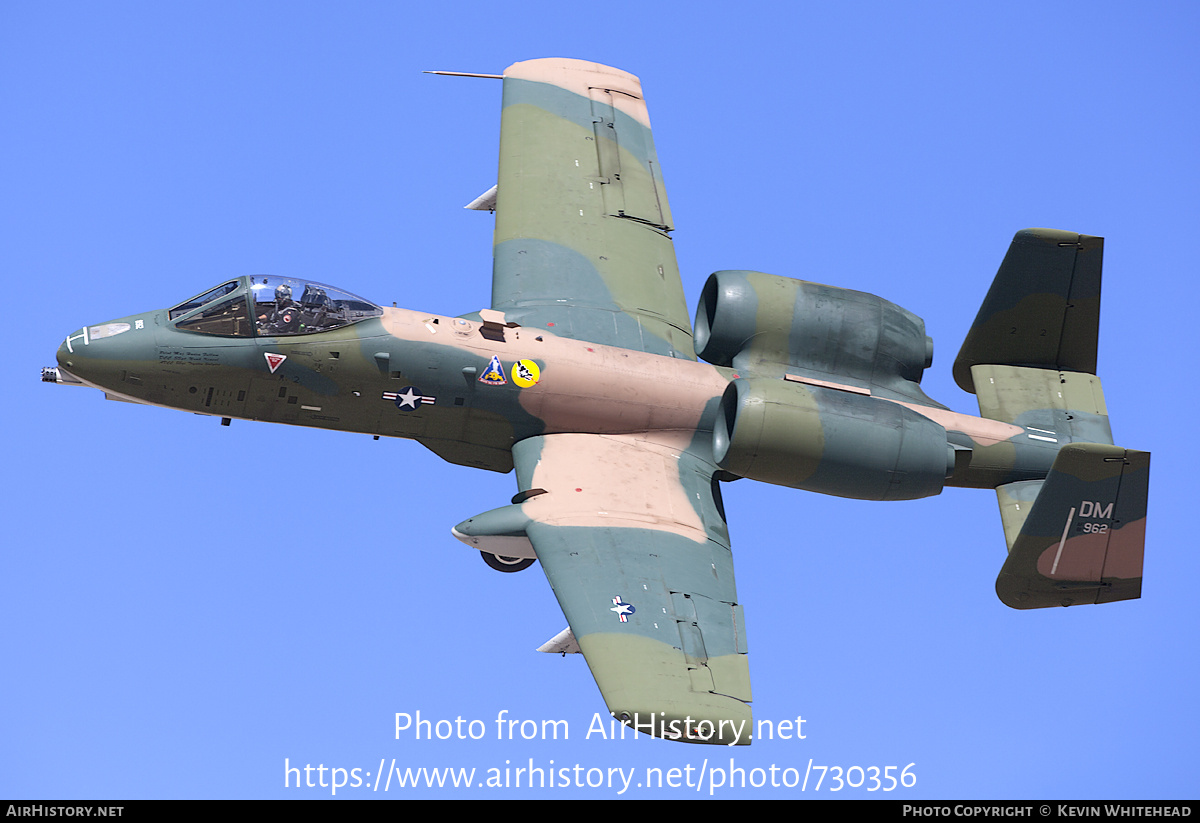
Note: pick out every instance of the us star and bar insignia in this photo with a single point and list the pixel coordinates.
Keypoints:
(622, 609)
(409, 397)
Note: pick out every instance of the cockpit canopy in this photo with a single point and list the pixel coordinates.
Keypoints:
(268, 306)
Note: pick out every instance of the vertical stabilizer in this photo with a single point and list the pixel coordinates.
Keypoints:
(1083, 537)
(1043, 309)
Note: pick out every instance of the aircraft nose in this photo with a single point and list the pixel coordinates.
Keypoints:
(97, 354)
(63, 355)
(78, 357)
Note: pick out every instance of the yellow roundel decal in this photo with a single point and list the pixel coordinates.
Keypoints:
(525, 373)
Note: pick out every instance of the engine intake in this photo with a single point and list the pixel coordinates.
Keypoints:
(829, 441)
(747, 319)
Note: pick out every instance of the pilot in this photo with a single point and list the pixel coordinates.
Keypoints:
(284, 318)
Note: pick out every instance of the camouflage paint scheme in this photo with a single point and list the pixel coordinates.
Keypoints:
(584, 377)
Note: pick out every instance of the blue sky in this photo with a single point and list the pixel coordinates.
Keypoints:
(181, 614)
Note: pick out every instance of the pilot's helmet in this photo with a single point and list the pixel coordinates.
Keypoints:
(283, 292)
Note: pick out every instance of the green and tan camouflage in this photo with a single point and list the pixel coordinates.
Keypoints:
(583, 376)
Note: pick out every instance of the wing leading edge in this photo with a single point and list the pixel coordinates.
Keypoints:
(631, 534)
(581, 243)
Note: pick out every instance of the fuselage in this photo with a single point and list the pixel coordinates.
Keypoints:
(466, 387)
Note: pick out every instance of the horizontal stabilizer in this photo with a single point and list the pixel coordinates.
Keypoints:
(1082, 539)
(1054, 406)
(1043, 309)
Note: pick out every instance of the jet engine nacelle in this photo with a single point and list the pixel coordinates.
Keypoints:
(747, 318)
(829, 441)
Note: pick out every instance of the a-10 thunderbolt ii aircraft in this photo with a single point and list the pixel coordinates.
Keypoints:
(584, 376)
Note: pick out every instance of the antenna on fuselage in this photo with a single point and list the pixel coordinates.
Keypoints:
(466, 74)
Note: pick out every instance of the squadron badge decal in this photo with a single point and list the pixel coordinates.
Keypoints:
(525, 373)
(274, 360)
(494, 374)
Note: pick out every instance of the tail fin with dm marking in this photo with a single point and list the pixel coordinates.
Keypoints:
(1080, 537)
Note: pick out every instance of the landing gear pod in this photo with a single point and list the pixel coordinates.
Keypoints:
(500, 537)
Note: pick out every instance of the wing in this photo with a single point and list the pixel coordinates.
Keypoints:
(581, 243)
(631, 534)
